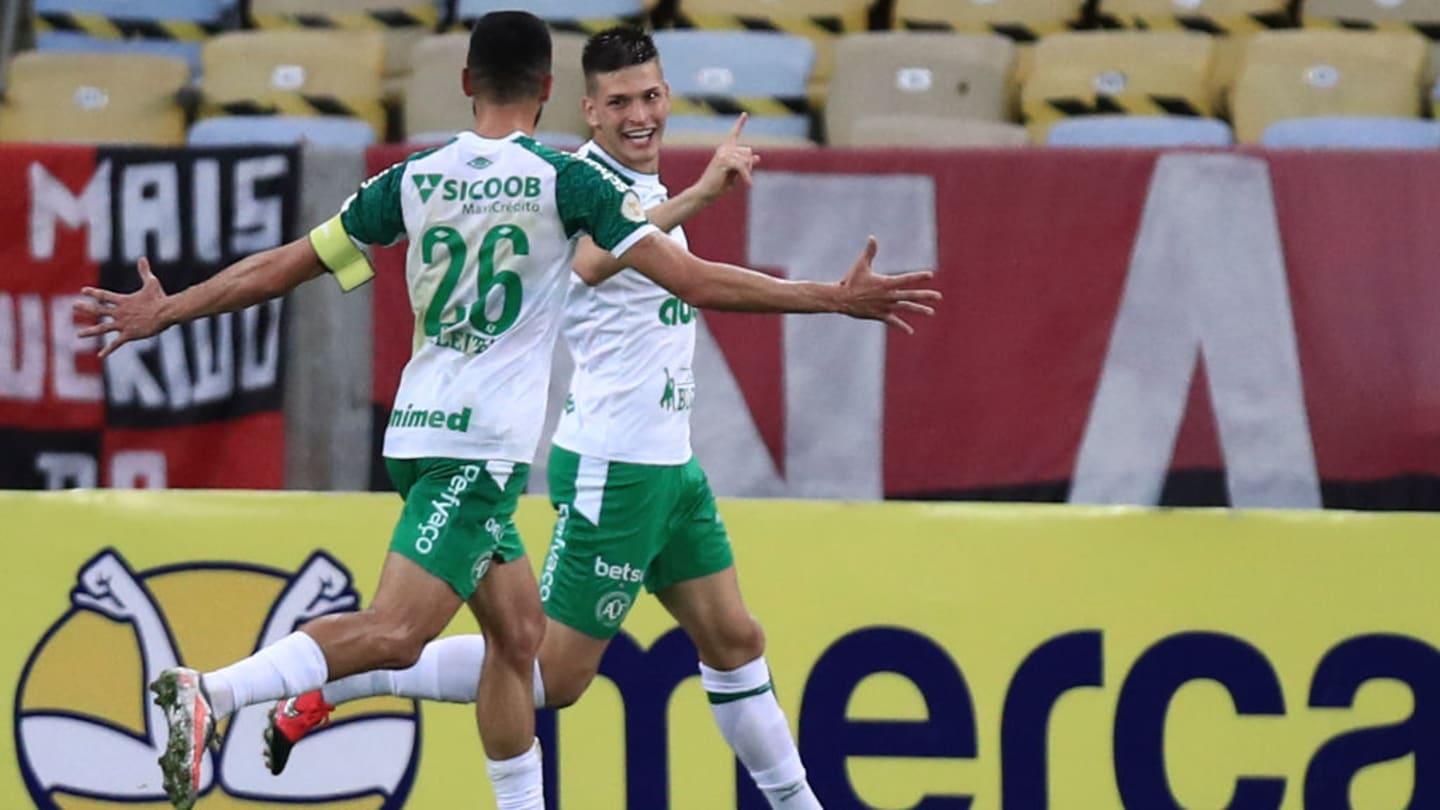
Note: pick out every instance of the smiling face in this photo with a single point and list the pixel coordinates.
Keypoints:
(626, 109)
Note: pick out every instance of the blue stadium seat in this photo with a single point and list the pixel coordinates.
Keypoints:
(1353, 133)
(240, 130)
(715, 74)
(172, 28)
(1139, 131)
(563, 11)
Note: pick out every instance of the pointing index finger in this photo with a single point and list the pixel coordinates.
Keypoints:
(734, 136)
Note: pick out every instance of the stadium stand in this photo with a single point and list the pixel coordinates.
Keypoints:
(403, 22)
(436, 106)
(324, 73)
(94, 98)
(1024, 21)
(1352, 133)
(924, 131)
(715, 75)
(573, 16)
(1137, 131)
(175, 28)
(821, 21)
(1118, 73)
(1312, 73)
(919, 74)
(236, 130)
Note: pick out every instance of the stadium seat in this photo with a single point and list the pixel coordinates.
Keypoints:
(1353, 133)
(1024, 21)
(436, 106)
(821, 21)
(923, 73)
(573, 16)
(280, 130)
(1139, 132)
(924, 131)
(1421, 16)
(174, 28)
(1232, 22)
(1309, 73)
(94, 98)
(326, 73)
(403, 21)
(714, 75)
(1120, 73)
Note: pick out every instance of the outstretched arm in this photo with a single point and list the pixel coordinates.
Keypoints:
(147, 311)
(713, 285)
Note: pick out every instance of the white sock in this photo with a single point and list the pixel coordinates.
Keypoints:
(519, 782)
(291, 666)
(448, 670)
(750, 719)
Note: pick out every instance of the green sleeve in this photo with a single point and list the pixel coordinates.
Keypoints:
(593, 200)
(373, 216)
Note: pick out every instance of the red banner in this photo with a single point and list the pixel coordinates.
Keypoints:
(197, 405)
(1199, 328)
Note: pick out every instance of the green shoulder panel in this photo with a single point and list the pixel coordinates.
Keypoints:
(591, 199)
(375, 214)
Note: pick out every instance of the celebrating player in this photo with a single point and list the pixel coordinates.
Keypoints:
(632, 504)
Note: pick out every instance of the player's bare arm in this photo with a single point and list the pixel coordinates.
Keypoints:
(732, 163)
(149, 310)
(862, 293)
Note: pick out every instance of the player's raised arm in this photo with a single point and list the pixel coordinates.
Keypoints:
(732, 163)
(861, 293)
(149, 310)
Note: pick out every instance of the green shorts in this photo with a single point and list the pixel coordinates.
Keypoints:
(619, 525)
(458, 515)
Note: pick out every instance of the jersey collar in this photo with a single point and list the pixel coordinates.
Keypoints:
(596, 153)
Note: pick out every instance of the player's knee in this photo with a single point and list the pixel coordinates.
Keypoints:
(517, 643)
(737, 644)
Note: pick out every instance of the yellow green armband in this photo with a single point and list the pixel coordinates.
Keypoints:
(346, 262)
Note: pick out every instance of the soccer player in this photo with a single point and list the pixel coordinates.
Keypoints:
(633, 506)
(492, 220)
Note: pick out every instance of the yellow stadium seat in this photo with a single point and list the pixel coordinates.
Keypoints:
(435, 103)
(1421, 16)
(94, 98)
(921, 131)
(929, 74)
(295, 73)
(1117, 72)
(819, 20)
(1021, 20)
(1309, 73)
(1232, 22)
(403, 22)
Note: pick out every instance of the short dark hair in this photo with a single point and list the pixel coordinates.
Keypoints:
(509, 56)
(616, 49)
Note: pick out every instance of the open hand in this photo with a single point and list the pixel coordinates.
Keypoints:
(731, 163)
(866, 294)
(131, 317)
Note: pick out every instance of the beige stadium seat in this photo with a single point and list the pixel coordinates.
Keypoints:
(295, 73)
(436, 106)
(821, 21)
(1117, 72)
(1024, 21)
(403, 22)
(94, 98)
(1307, 74)
(1422, 16)
(920, 131)
(933, 74)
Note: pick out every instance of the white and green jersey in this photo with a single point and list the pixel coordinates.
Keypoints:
(492, 226)
(634, 345)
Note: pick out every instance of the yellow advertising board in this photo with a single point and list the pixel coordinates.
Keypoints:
(931, 656)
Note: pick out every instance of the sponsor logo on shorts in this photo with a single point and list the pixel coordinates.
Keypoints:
(557, 547)
(481, 566)
(612, 607)
(619, 573)
(429, 530)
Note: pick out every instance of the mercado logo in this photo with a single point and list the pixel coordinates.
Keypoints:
(88, 736)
